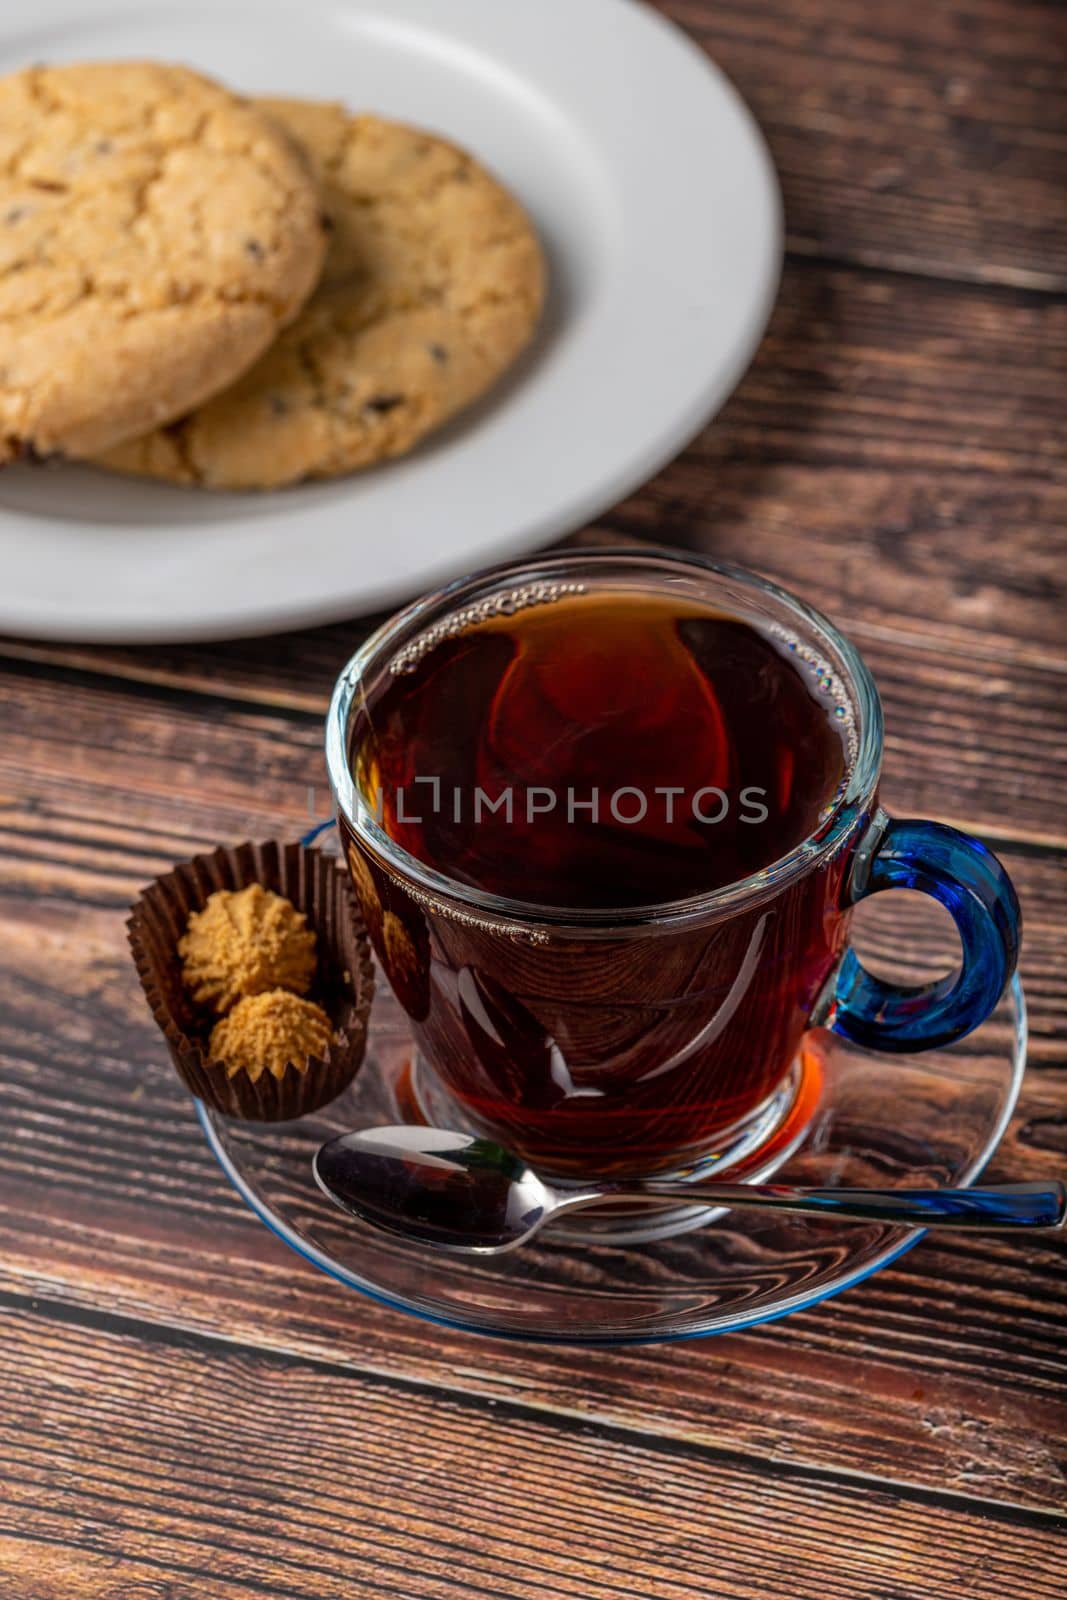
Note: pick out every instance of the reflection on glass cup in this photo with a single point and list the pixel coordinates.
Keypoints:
(607, 816)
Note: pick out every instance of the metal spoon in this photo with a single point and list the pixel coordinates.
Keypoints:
(466, 1194)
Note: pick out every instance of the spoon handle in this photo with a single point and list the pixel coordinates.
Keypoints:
(1008, 1206)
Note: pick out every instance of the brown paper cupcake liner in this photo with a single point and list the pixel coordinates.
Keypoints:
(316, 884)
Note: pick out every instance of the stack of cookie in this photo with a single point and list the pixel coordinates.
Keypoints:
(236, 294)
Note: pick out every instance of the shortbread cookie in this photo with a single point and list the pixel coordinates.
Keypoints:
(155, 233)
(433, 285)
(243, 942)
(265, 1032)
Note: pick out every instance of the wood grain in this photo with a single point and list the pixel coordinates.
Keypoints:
(983, 749)
(928, 139)
(188, 1411)
(72, 859)
(256, 1475)
(945, 1371)
(896, 455)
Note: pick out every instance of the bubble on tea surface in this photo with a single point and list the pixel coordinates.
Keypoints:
(506, 603)
(827, 685)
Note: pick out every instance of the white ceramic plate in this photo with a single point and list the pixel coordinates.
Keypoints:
(659, 207)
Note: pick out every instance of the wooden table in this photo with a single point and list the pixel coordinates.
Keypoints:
(190, 1411)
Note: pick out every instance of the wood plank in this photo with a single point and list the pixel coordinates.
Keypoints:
(951, 565)
(946, 1370)
(86, 848)
(892, 457)
(896, 455)
(210, 768)
(930, 140)
(189, 772)
(188, 1409)
(868, 370)
(254, 1475)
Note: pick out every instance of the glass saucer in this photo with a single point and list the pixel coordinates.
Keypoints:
(892, 1121)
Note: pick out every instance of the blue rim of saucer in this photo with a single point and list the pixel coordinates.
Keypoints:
(352, 1280)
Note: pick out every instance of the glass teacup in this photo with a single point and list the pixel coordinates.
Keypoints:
(591, 1031)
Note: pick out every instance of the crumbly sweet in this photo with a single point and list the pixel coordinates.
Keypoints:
(243, 943)
(433, 285)
(155, 233)
(265, 1032)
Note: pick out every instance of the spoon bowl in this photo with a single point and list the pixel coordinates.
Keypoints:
(445, 1189)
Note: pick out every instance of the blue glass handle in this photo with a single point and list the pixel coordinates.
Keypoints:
(968, 880)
